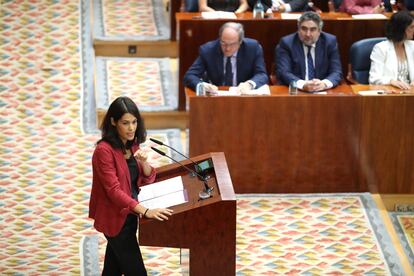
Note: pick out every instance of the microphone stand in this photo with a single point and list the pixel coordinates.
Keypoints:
(196, 166)
(206, 192)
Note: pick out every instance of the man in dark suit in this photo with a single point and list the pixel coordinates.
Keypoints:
(309, 57)
(231, 60)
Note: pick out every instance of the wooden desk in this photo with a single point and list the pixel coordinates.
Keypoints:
(206, 227)
(387, 141)
(340, 142)
(194, 31)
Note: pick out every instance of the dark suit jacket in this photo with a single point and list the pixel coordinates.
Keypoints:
(296, 5)
(290, 59)
(209, 66)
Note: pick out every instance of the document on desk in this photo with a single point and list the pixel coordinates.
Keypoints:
(290, 16)
(218, 15)
(369, 16)
(234, 91)
(371, 92)
(163, 194)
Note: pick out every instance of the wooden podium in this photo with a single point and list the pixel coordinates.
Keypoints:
(206, 227)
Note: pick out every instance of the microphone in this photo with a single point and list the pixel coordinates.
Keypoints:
(206, 192)
(196, 166)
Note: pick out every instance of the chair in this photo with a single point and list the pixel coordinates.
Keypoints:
(334, 5)
(360, 62)
(406, 5)
(191, 5)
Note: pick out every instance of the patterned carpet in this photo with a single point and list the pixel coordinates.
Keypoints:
(118, 20)
(404, 226)
(312, 234)
(45, 172)
(147, 80)
(45, 153)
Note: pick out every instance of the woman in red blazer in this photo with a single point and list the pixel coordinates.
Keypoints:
(119, 168)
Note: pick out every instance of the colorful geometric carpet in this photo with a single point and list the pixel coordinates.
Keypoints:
(312, 234)
(45, 169)
(404, 226)
(119, 20)
(146, 80)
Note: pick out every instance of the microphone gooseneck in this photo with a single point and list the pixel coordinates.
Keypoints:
(206, 192)
(196, 166)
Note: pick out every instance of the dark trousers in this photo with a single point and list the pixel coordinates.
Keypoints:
(123, 255)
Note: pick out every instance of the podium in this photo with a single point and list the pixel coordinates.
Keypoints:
(206, 227)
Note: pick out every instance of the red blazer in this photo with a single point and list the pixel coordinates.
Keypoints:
(111, 199)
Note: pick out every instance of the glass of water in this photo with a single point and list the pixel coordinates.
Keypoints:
(293, 88)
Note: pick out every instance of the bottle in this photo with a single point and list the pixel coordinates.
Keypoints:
(258, 10)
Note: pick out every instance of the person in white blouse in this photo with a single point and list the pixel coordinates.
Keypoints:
(392, 61)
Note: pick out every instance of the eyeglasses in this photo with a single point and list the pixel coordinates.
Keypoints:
(233, 44)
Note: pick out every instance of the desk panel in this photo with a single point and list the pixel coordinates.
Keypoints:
(387, 141)
(281, 143)
(340, 142)
(194, 31)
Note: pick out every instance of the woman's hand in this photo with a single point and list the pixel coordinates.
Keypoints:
(141, 156)
(400, 84)
(158, 214)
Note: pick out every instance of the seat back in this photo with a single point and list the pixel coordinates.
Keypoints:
(408, 4)
(360, 62)
(191, 5)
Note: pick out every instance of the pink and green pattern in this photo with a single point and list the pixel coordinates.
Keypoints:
(128, 18)
(138, 20)
(45, 158)
(139, 80)
(404, 226)
(148, 81)
(306, 234)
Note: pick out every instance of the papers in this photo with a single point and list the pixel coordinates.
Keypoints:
(372, 92)
(369, 16)
(218, 14)
(163, 194)
(290, 16)
(233, 91)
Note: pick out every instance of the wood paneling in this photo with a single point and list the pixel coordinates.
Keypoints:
(340, 142)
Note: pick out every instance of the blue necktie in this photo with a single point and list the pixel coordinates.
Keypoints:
(228, 77)
(311, 67)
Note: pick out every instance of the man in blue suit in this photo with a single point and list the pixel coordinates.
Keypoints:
(309, 57)
(231, 60)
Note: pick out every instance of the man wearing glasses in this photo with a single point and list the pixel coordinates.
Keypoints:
(308, 57)
(230, 60)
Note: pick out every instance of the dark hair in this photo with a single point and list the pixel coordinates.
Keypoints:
(117, 109)
(311, 16)
(235, 26)
(396, 26)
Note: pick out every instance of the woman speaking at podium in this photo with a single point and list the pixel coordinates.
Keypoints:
(119, 168)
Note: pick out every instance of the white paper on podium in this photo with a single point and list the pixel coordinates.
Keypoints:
(233, 91)
(163, 194)
(218, 14)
